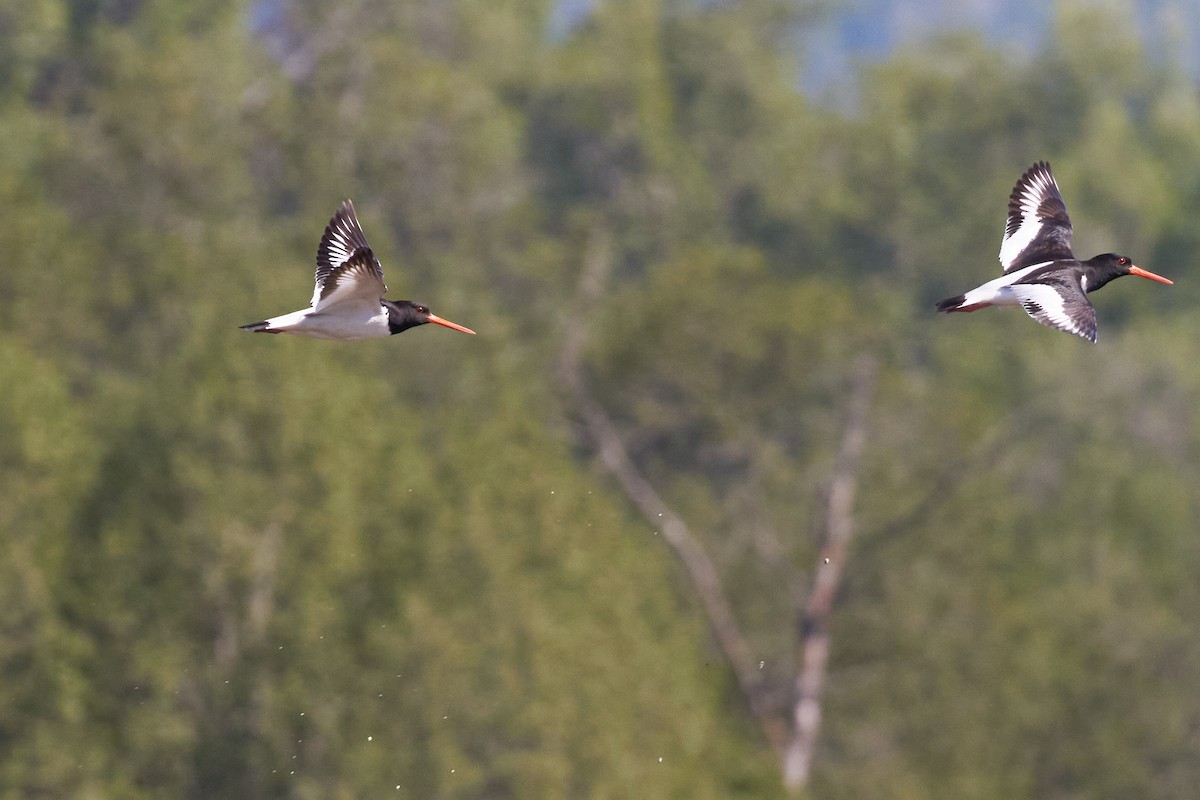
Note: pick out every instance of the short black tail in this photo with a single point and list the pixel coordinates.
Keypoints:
(258, 327)
(951, 303)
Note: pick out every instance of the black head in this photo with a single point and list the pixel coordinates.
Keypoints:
(405, 314)
(1107, 266)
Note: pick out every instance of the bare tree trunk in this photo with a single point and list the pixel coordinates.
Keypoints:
(814, 627)
(674, 530)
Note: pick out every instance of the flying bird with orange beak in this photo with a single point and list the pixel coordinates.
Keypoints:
(348, 302)
(1041, 274)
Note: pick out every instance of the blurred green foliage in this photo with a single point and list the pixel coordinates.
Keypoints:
(266, 567)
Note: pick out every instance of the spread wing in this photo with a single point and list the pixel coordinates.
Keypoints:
(1038, 227)
(346, 265)
(358, 280)
(1059, 303)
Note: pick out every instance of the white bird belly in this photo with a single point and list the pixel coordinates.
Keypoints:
(341, 323)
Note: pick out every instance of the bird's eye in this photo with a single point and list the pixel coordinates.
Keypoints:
(1122, 260)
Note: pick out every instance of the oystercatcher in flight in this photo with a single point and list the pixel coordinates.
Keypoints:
(348, 302)
(1041, 274)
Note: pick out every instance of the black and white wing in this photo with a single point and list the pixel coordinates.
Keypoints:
(346, 266)
(1060, 303)
(1038, 228)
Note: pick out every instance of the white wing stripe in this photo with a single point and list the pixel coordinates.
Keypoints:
(1048, 306)
(1031, 197)
(1049, 300)
(1012, 247)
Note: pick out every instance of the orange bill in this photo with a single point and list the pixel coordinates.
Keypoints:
(1142, 273)
(436, 320)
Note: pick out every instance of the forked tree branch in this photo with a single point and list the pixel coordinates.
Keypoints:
(794, 743)
(615, 458)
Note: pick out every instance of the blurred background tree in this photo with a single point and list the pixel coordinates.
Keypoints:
(267, 567)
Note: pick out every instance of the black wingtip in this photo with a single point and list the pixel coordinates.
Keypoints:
(1037, 167)
(258, 327)
(344, 210)
(343, 236)
(951, 303)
